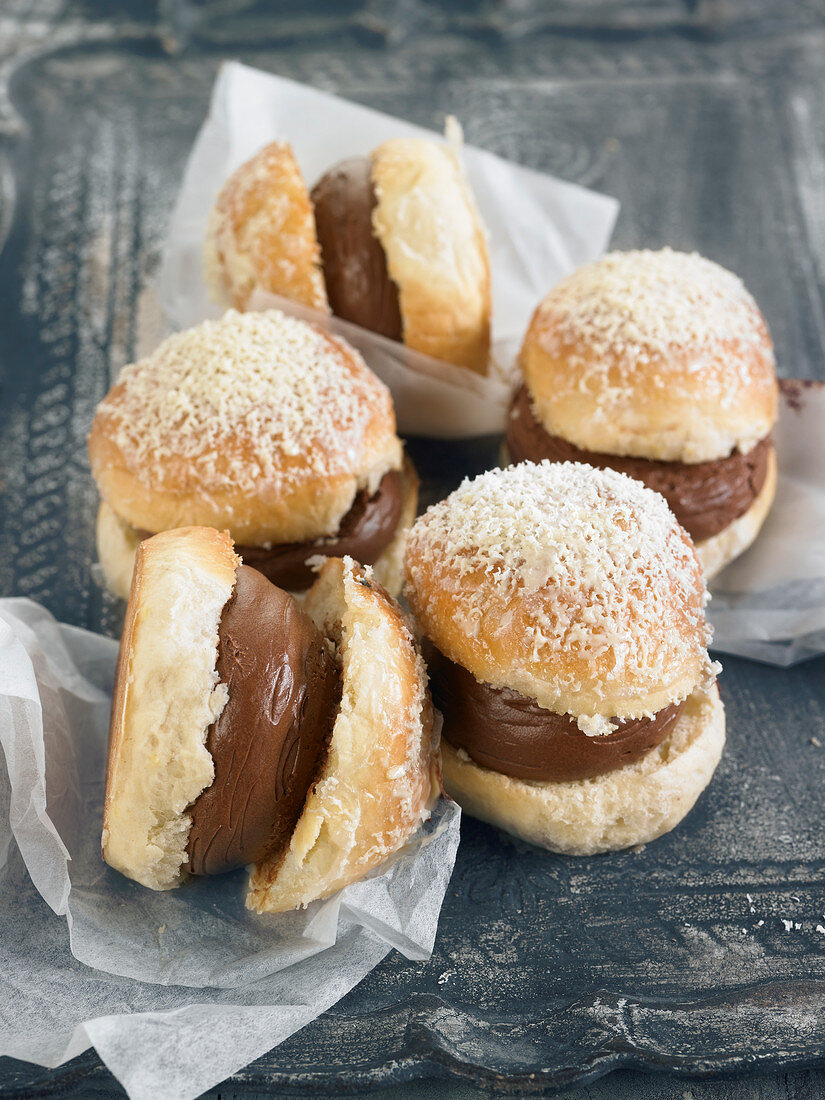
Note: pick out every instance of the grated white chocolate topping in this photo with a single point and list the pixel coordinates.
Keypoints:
(283, 387)
(591, 564)
(645, 303)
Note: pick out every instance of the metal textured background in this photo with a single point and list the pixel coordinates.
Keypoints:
(704, 952)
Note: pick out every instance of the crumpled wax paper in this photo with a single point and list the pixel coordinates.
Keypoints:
(769, 604)
(175, 990)
(540, 228)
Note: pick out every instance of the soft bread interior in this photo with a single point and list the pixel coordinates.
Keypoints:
(167, 694)
(631, 805)
(380, 776)
(117, 543)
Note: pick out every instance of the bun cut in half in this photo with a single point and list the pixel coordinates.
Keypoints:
(562, 614)
(247, 731)
(392, 242)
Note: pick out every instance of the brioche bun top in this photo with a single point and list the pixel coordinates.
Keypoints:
(661, 355)
(574, 586)
(258, 423)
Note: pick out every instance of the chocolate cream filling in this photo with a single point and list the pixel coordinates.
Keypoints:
(271, 738)
(364, 533)
(359, 287)
(705, 497)
(505, 731)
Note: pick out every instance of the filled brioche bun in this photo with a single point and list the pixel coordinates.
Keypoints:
(247, 730)
(261, 234)
(575, 601)
(427, 223)
(660, 355)
(573, 586)
(382, 775)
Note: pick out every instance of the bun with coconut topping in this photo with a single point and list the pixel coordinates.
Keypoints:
(261, 424)
(562, 611)
(660, 365)
(249, 731)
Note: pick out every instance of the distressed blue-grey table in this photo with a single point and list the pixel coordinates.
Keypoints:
(703, 953)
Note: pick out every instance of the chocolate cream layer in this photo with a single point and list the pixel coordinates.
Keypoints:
(364, 533)
(505, 731)
(272, 736)
(705, 497)
(359, 287)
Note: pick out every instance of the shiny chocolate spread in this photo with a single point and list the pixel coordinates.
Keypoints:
(270, 739)
(705, 497)
(359, 287)
(364, 533)
(505, 731)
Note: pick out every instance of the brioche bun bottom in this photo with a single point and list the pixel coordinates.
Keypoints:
(381, 774)
(117, 543)
(720, 550)
(629, 806)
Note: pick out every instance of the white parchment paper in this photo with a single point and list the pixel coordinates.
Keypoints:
(176, 990)
(770, 604)
(540, 228)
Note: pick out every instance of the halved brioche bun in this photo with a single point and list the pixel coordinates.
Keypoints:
(167, 695)
(428, 225)
(259, 423)
(381, 774)
(717, 552)
(660, 355)
(632, 805)
(261, 234)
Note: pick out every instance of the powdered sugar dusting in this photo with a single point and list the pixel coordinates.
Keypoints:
(614, 575)
(282, 386)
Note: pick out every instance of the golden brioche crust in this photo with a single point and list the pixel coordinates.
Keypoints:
(720, 550)
(167, 694)
(661, 355)
(261, 234)
(259, 423)
(382, 774)
(571, 585)
(632, 805)
(431, 232)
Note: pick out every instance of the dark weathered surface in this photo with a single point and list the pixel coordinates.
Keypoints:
(699, 954)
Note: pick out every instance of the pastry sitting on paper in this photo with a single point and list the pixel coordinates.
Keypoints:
(392, 242)
(249, 731)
